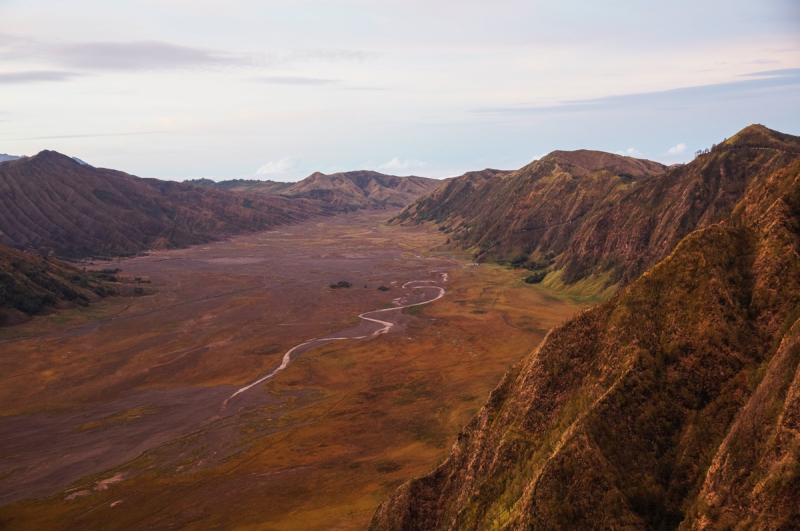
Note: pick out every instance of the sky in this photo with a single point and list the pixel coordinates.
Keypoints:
(179, 89)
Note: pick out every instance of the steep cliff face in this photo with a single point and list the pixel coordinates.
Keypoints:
(674, 403)
(588, 213)
(50, 202)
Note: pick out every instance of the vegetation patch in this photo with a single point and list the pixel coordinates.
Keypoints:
(416, 311)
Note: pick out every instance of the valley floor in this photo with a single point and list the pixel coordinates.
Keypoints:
(118, 416)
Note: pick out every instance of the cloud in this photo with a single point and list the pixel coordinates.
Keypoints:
(288, 80)
(677, 150)
(138, 55)
(537, 157)
(685, 97)
(93, 135)
(115, 56)
(783, 72)
(36, 76)
(334, 56)
(631, 152)
(397, 164)
(159, 55)
(277, 168)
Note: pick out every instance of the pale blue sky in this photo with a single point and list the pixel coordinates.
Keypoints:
(278, 89)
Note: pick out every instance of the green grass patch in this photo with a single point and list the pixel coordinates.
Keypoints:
(416, 311)
(592, 289)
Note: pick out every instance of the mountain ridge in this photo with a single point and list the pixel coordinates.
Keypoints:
(675, 404)
(344, 190)
(554, 216)
(53, 203)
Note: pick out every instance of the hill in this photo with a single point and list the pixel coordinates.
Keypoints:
(346, 191)
(30, 284)
(51, 202)
(588, 214)
(244, 185)
(674, 404)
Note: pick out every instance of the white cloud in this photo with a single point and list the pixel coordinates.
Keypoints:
(36, 76)
(537, 157)
(294, 80)
(277, 168)
(631, 152)
(397, 164)
(677, 150)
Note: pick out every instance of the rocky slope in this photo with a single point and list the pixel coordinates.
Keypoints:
(345, 191)
(588, 213)
(674, 404)
(50, 202)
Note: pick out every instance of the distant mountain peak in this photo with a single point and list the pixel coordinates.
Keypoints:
(4, 157)
(345, 190)
(103, 212)
(759, 136)
(592, 161)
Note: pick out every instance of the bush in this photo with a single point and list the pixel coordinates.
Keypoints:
(536, 277)
(340, 284)
(383, 288)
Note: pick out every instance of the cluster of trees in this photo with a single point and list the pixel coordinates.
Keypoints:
(707, 150)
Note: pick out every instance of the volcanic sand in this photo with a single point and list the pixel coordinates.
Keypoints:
(113, 415)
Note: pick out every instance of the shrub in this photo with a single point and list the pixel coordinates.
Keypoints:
(536, 277)
(340, 284)
(383, 288)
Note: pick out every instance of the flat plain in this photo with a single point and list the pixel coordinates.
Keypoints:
(120, 416)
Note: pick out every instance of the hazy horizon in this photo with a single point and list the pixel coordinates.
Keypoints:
(277, 91)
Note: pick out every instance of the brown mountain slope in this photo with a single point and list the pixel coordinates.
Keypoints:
(30, 284)
(531, 213)
(50, 202)
(243, 185)
(598, 213)
(346, 191)
(674, 403)
(451, 196)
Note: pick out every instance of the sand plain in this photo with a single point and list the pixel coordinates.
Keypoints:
(112, 416)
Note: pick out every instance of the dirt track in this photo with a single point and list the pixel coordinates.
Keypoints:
(354, 333)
